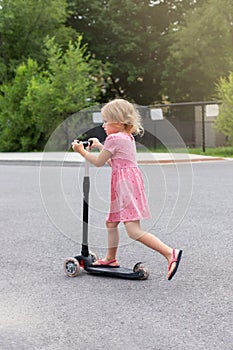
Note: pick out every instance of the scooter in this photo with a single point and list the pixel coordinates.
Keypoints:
(73, 265)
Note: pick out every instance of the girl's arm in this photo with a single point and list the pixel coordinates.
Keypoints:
(97, 144)
(99, 160)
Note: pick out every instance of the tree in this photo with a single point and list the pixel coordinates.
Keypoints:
(132, 36)
(201, 52)
(224, 121)
(37, 100)
(23, 28)
(16, 124)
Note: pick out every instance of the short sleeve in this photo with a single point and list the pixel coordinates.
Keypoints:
(110, 144)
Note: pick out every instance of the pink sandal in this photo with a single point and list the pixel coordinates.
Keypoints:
(174, 260)
(108, 263)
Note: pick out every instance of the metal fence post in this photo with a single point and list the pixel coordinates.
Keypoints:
(203, 126)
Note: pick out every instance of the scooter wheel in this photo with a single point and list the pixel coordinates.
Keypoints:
(71, 267)
(94, 256)
(143, 269)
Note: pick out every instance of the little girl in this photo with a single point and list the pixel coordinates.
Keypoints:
(128, 201)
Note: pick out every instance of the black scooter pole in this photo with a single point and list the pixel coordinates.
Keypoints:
(86, 190)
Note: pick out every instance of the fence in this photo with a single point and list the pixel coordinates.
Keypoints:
(194, 121)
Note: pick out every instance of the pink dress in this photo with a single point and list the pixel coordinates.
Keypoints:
(128, 200)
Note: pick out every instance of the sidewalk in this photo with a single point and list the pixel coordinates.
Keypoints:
(69, 158)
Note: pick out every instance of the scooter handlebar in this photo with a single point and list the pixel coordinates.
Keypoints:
(87, 143)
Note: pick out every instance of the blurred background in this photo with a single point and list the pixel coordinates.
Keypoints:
(60, 57)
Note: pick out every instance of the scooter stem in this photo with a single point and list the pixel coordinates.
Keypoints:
(86, 190)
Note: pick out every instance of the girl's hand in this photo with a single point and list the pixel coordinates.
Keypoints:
(77, 146)
(95, 143)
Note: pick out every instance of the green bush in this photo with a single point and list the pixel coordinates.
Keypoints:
(38, 99)
(224, 121)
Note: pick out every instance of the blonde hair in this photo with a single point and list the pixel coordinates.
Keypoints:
(124, 112)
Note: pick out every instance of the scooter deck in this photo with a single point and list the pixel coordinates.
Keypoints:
(121, 272)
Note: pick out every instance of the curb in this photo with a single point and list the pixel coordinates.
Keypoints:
(174, 161)
(78, 163)
(71, 159)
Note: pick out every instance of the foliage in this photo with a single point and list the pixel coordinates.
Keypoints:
(224, 121)
(23, 28)
(15, 119)
(144, 50)
(132, 36)
(201, 52)
(38, 100)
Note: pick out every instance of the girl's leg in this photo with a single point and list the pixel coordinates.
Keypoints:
(113, 240)
(135, 232)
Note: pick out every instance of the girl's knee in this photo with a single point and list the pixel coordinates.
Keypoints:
(133, 234)
(111, 224)
(133, 229)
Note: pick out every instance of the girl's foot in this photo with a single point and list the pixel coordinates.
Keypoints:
(174, 263)
(106, 262)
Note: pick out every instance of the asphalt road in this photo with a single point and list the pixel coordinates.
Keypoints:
(41, 308)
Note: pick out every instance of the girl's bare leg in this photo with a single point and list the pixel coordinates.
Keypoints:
(135, 232)
(113, 240)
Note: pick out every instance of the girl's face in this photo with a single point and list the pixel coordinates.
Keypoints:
(111, 127)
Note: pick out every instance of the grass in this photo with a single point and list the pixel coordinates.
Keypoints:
(224, 152)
